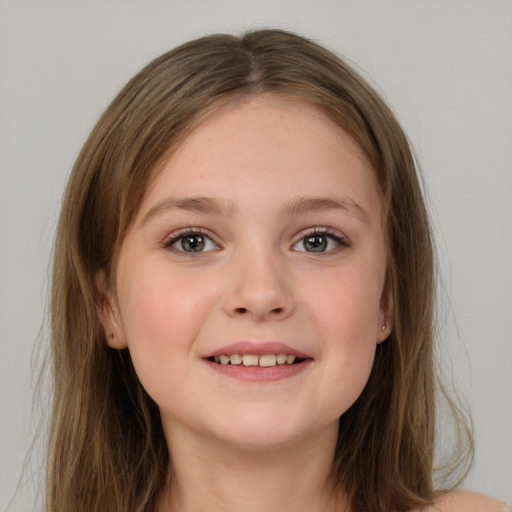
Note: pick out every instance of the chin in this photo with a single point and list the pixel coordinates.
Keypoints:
(264, 430)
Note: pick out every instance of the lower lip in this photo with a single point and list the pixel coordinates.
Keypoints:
(258, 373)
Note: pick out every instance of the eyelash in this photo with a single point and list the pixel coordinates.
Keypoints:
(325, 232)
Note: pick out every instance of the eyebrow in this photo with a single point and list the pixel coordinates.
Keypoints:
(306, 204)
(296, 206)
(204, 205)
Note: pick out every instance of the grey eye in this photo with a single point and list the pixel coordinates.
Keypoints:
(317, 242)
(194, 242)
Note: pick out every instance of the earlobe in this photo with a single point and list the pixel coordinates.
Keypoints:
(108, 314)
(387, 314)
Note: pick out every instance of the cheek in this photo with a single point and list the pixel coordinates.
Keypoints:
(347, 305)
(346, 314)
(162, 313)
(160, 302)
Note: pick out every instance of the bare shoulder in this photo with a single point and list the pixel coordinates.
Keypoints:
(464, 501)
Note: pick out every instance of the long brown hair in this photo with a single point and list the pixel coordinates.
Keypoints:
(107, 450)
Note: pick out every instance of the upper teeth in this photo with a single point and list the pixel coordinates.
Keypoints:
(264, 360)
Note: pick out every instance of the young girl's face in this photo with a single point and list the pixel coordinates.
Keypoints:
(260, 241)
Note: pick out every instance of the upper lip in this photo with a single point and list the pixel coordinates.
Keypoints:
(257, 348)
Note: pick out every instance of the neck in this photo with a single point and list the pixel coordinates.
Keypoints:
(215, 476)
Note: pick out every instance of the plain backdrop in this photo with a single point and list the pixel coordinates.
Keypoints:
(445, 66)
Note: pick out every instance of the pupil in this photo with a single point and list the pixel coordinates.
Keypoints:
(316, 243)
(193, 243)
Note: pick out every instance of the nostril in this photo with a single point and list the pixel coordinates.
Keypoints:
(277, 311)
(241, 310)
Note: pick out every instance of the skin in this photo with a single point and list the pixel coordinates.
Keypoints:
(463, 501)
(254, 445)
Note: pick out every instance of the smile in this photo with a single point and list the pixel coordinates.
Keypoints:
(262, 361)
(258, 361)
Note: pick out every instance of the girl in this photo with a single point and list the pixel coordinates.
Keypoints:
(243, 295)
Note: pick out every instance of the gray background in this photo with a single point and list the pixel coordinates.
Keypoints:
(444, 66)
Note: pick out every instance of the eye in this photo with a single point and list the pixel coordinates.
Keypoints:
(319, 241)
(191, 242)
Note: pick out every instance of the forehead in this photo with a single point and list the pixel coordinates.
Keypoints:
(265, 144)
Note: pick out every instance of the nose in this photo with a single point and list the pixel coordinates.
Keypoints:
(258, 288)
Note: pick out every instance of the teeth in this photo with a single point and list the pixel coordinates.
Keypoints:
(281, 358)
(290, 359)
(268, 360)
(235, 358)
(250, 360)
(264, 360)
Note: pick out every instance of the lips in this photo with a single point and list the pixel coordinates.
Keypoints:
(258, 361)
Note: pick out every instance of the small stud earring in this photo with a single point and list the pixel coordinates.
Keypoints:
(383, 327)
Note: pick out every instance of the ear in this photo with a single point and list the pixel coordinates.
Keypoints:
(108, 313)
(386, 321)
